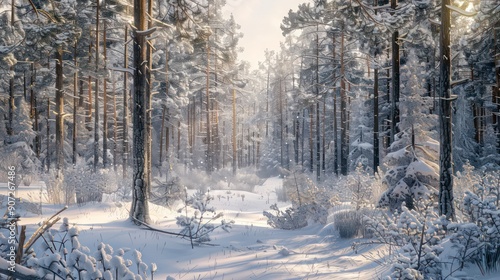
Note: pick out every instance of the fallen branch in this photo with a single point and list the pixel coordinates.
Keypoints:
(43, 228)
(148, 227)
(20, 272)
(157, 229)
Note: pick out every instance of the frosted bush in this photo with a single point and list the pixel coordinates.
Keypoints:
(348, 223)
(310, 203)
(59, 254)
(413, 239)
(412, 173)
(288, 219)
(166, 193)
(198, 226)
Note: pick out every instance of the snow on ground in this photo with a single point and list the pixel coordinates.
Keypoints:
(35, 192)
(252, 250)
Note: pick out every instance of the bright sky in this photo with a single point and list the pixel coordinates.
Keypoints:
(260, 23)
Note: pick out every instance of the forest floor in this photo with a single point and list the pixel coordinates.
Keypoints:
(251, 250)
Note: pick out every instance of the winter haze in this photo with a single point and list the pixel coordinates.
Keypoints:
(260, 21)
(178, 139)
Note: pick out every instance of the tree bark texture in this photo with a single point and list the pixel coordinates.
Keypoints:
(376, 145)
(445, 123)
(104, 104)
(344, 143)
(125, 106)
(140, 209)
(96, 98)
(59, 111)
(234, 132)
(318, 130)
(75, 89)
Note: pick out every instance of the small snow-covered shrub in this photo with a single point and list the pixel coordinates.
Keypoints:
(288, 219)
(295, 218)
(56, 193)
(22, 205)
(85, 185)
(310, 203)
(88, 186)
(222, 179)
(359, 183)
(490, 259)
(348, 223)
(480, 207)
(60, 255)
(198, 226)
(466, 239)
(167, 192)
(413, 239)
(281, 194)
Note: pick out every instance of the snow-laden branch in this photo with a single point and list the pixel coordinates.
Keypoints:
(19, 272)
(146, 32)
(460, 11)
(458, 82)
(121, 69)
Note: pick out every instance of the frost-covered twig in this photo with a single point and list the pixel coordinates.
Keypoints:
(44, 227)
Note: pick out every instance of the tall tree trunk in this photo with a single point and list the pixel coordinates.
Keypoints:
(59, 111)
(24, 86)
(75, 89)
(139, 208)
(161, 138)
(125, 106)
(209, 124)
(96, 98)
(80, 94)
(258, 149)
(476, 112)
(179, 139)
(217, 141)
(105, 103)
(387, 129)
(189, 126)
(318, 134)
(496, 91)
(395, 80)
(34, 110)
(234, 132)
(335, 127)
(88, 119)
(48, 151)
(335, 134)
(311, 138)
(10, 127)
(267, 101)
(376, 139)
(376, 145)
(149, 102)
(344, 144)
(323, 140)
(445, 123)
(115, 122)
(302, 138)
(296, 131)
(280, 107)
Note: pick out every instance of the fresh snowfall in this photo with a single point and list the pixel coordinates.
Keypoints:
(170, 139)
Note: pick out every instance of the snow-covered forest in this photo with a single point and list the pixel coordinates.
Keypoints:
(136, 143)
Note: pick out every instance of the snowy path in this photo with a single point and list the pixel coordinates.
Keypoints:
(252, 250)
